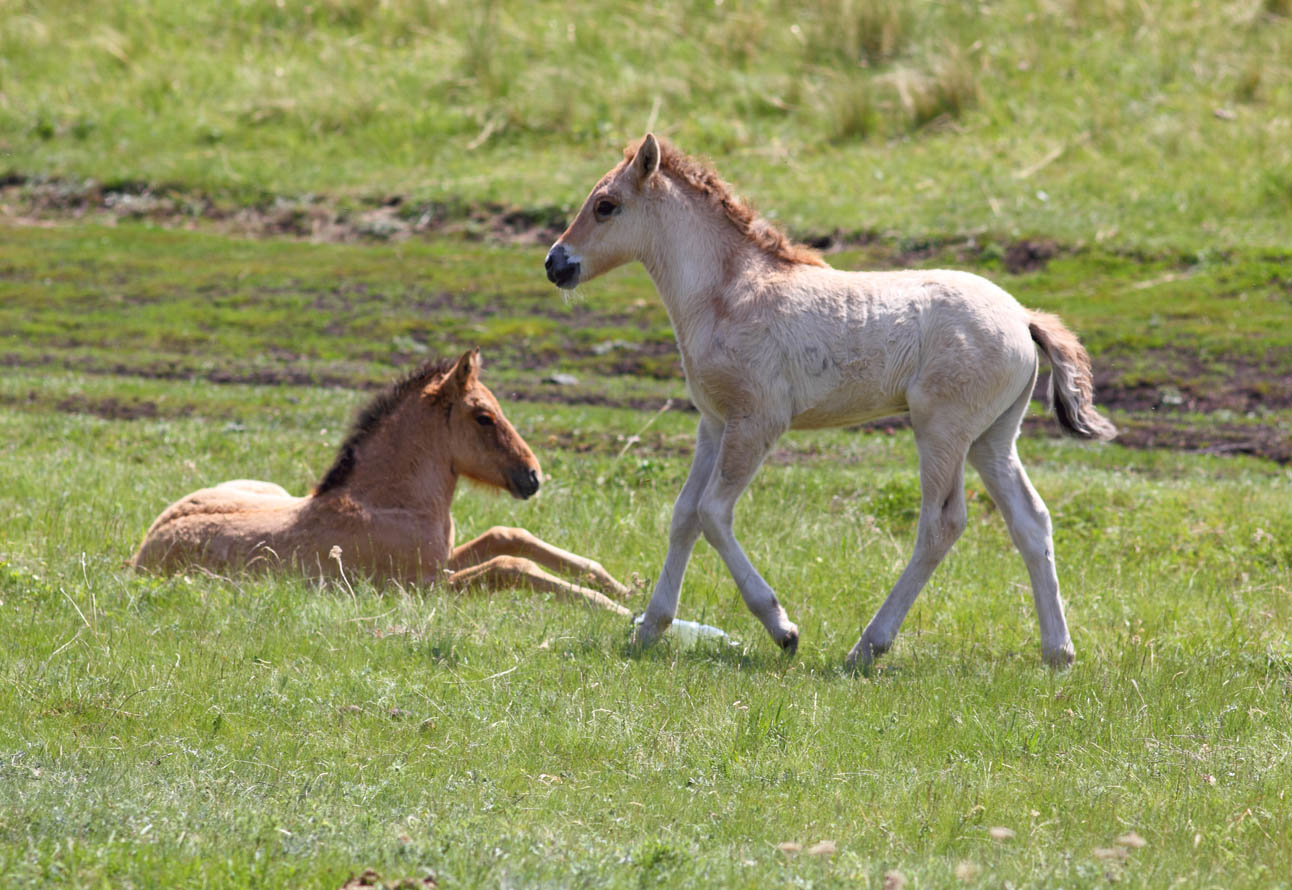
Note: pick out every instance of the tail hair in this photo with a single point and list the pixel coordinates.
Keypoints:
(1071, 384)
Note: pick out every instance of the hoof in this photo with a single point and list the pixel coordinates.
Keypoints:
(789, 643)
(1061, 657)
(863, 654)
(645, 633)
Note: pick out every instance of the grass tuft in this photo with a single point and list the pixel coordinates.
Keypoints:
(849, 108)
(861, 32)
(943, 93)
(1248, 87)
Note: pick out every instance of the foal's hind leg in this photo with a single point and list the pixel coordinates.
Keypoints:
(942, 520)
(995, 457)
(502, 540)
(506, 572)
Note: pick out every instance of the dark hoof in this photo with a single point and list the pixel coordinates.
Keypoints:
(790, 642)
(644, 636)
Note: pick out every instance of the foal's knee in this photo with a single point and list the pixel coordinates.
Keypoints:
(686, 520)
(1033, 534)
(943, 529)
(715, 521)
(510, 536)
(954, 522)
(513, 568)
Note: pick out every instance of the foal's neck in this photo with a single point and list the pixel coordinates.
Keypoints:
(695, 260)
(403, 465)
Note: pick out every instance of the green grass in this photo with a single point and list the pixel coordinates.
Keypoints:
(267, 732)
(1162, 123)
(141, 300)
(264, 732)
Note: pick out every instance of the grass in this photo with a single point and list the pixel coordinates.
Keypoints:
(1123, 164)
(195, 731)
(1067, 119)
(174, 303)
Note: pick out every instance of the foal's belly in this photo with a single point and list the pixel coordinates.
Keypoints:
(846, 409)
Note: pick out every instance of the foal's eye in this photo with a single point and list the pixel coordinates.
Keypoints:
(484, 420)
(605, 209)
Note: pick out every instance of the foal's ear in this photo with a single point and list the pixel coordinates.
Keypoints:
(467, 368)
(647, 160)
(453, 384)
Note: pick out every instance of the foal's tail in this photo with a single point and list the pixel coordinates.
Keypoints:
(1071, 386)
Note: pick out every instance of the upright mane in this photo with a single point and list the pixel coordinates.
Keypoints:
(370, 417)
(704, 180)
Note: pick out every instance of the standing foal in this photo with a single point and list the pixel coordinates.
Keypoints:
(772, 338)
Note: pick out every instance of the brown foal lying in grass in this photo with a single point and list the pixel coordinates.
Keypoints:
(385, 502)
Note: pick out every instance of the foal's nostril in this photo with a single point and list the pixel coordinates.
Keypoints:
(528, 483)
(525, 483)
(562, 268)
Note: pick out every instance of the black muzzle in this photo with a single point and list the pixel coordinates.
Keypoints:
(562, 269)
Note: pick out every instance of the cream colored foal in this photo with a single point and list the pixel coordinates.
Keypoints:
(772, 339)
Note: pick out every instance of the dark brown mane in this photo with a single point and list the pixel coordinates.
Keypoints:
(370, 417)
(704, 179)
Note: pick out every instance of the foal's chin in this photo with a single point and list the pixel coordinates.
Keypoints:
(496, 489)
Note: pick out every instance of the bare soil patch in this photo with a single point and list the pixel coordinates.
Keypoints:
(369, 879)
(1170, 428)
(38, 200)
(1192, 406)
(1244, 414)
(107, 407)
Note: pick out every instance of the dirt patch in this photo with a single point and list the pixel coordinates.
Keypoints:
(110, 408)
(370, 879)
(1029, 255)
(1269, 442)
(260, 376)
(1233, 418)
(107, 407)
(47, 201)
(40, 200)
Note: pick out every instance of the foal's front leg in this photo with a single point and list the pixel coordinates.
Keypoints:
(506, 541)
(683, 531)
(507, 572)
(744, 445)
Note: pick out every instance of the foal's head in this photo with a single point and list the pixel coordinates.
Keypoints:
(656, 189)
(612, 224)
(482, 443)
(443, 414)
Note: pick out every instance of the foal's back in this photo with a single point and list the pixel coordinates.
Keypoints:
(222, 527)
(851, 346)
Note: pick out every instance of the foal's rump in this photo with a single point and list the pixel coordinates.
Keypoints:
(977, 351)
(228, 526)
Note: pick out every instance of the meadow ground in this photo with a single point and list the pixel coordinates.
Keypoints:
(1154, 123)
(1124, 164)
(198, 731)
